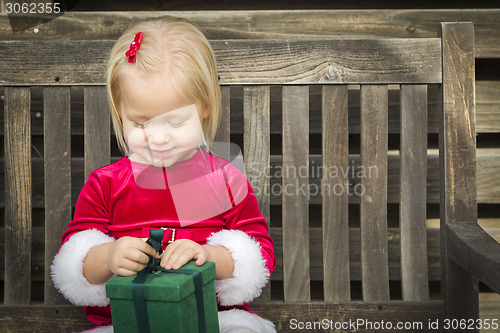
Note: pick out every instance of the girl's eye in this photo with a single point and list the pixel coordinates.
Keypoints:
(177, 124)
(143, 125)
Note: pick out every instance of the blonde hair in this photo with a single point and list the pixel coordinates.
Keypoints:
(192, 67)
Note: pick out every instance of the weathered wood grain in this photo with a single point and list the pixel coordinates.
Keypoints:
(335, 203)
(295, 200)
(223, 135)
(72, 318)
(413, 183)
(257, 147)
(457, 145)
(97, 146)
(245, 62)
(57, 178)
(287, 316)
(294, 24)
(475, 251)
(46, 318)
(373, 207)
(17, 145)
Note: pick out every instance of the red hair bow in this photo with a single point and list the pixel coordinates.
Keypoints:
(134, 46)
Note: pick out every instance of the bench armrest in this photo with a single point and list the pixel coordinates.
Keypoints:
(472, 248)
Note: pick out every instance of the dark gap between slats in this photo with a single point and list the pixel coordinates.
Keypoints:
(488, 69)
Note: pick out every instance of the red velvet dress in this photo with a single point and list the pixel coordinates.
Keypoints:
(196, 197)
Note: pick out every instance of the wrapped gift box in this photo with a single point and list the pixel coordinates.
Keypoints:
(170, 301)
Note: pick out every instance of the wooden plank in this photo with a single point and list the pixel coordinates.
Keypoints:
(71, 318)
(57, 180)
(353, 316)
(475, 251)
(457, 145)
(17, 145)
(245, 62)
(223, 136)
(487, 106)
(413, 184)
(43, 318)
(335, 203)
(373, 207)
(257, 146)
(220, 24)
(316, 253)
(295, 199)
(97, 145)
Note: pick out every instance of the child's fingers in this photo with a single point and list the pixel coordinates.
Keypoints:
(200, 259)
(165, 257)
(145, 247)
(179, 258)
(129, 268)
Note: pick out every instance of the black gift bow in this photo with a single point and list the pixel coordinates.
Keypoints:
(155, 238)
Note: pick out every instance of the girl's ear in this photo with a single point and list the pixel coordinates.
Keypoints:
(206, 112)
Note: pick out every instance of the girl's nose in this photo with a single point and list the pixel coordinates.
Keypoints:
(157, 135)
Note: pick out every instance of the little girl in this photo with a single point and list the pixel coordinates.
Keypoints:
(165, 105)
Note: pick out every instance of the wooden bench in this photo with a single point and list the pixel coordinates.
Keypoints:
(61, 70)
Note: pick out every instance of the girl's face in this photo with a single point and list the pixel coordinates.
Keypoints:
(160, 126)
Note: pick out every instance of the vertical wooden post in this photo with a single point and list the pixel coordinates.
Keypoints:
(373, 206)
(413, 189)
(335, 204)
(18, 191)
(257, 146)
(97, 148)
(223, 136)
(295, 194)
(57, 177)
(457, 161)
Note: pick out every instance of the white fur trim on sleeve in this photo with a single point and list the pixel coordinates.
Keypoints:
(250, 274)
(67, 269)
(232, 321)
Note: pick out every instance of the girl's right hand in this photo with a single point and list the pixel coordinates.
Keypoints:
(129, 255)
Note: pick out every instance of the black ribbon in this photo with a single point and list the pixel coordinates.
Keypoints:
(155, 238)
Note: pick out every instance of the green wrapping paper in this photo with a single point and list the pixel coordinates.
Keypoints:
(159, 300)
(171, 303)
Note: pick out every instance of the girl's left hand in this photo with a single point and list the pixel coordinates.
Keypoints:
(179, 252)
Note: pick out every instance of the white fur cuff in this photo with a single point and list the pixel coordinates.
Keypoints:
(250, 274)
(232, 321)
(67, 269)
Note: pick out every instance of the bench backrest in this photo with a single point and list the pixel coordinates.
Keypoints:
(353, 165)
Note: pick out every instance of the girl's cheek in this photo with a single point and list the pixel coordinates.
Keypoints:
(135, 140)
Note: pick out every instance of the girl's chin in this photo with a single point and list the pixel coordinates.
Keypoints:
(161, 162)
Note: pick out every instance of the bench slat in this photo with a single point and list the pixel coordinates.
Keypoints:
(294, 194)
(373, 207)
(245, 62)
(17, 288)
(457, 136)
(257, 147)
(335, 199)
(57, 178)
(97, 130)
(412, 210)
(224, 130)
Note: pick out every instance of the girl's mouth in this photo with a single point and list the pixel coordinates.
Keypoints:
(161, 153)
